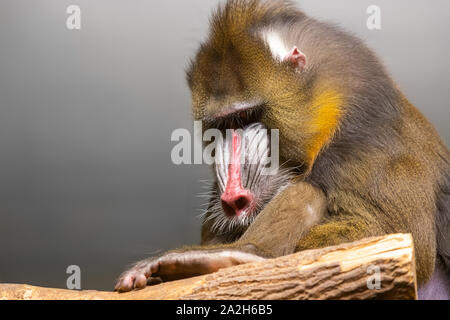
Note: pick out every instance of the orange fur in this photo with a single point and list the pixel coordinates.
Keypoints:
(326, 114)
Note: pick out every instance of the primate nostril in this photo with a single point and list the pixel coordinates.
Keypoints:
(241, 203)
(229, 211)
(233, 207)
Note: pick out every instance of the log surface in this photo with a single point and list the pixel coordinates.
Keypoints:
(340, 272)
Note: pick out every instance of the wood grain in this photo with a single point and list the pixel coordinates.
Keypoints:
(339, 272)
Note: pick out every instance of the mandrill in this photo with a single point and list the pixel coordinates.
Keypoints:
(362, 160)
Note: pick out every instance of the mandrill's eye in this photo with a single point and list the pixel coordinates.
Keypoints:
(244, 116)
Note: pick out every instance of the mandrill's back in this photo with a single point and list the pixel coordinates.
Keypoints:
(424, 143)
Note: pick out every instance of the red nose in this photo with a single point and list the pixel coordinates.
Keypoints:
(236, 202)
(235, 199)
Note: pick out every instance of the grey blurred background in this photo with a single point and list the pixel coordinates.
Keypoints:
(86, 118)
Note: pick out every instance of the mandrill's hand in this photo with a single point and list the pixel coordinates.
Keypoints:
(179, 265)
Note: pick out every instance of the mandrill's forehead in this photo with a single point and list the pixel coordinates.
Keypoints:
(223, 80)
(224, 62)
(220, 85)
(217, 68)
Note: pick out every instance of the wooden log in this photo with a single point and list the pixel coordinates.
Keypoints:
(347, 271)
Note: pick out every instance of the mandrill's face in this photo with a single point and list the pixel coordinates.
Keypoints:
(243, 182)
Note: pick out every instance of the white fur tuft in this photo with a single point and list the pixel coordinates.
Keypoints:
(275, 43)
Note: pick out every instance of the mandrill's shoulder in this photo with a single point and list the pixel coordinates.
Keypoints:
(422, 139)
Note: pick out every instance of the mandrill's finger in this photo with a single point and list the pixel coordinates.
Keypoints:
(125, 284)
(140, 281)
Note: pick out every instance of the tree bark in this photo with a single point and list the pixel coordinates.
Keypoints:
(374, 268)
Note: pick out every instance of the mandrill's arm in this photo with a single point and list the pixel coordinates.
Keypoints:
(275, 232)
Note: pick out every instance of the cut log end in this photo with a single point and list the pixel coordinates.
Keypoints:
(374, 268)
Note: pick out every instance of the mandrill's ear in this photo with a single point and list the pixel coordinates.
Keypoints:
(280, 52)
(297, 58)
